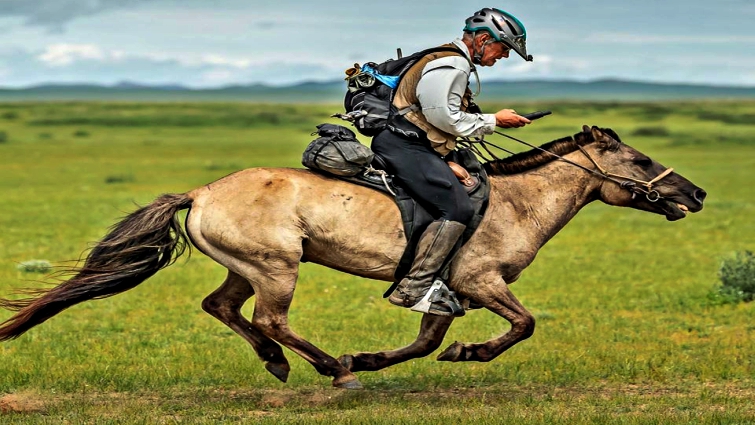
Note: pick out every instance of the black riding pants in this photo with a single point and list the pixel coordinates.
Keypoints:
(425, 175)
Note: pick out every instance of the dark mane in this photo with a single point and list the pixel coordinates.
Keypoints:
(524, 161)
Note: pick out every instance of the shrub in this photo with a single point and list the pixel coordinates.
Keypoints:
(45, 136)
(737, 275)
(119, 178)
(728, 118)
(709, 140)
(35, 266)
(215, 166)
(651, 132)
(10, 115)
(3, 137)
(81, 133)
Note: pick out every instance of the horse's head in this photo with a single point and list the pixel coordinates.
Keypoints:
(635, 180)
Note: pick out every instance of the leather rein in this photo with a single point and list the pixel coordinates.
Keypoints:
(636, 186)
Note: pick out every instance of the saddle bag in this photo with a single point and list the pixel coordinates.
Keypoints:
(337, 151)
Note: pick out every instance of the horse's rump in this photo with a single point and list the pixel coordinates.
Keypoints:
(263, 213)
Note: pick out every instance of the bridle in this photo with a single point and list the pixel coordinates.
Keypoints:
(636, 186)
(651, 194)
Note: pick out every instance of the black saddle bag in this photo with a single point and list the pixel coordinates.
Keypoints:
(337, 151)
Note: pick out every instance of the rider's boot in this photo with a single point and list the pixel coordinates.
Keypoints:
(417, 290)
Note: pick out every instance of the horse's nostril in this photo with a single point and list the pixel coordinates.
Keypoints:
(700, 195)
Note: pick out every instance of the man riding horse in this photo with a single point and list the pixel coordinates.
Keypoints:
(438, 86)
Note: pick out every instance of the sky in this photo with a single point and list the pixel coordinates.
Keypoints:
(213, 43)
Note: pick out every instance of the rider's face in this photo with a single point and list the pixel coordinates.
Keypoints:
(494, 50)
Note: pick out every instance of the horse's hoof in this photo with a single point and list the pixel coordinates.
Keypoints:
(279, 370)
(347, 361)
(348, 383)
(453, 353)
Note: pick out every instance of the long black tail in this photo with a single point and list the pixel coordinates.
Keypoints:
(144, 242)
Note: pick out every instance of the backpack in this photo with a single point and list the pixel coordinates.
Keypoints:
(337, 151)
(371, 88)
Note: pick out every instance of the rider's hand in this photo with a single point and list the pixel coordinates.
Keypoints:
(507, 118)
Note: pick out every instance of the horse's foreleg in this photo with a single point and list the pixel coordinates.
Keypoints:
(431, 334)
(497, 298)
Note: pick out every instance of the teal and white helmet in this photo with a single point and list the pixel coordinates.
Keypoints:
(503, 26)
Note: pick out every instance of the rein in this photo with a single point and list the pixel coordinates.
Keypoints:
(628, 183)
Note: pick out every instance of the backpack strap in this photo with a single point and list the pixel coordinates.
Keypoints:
(419, 55)
(472, 67)
(410, 108)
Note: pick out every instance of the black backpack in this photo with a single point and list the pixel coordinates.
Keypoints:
(371, 88)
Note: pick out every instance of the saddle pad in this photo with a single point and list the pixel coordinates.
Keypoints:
(415, 218)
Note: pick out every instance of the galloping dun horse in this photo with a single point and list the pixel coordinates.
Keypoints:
(261, 223)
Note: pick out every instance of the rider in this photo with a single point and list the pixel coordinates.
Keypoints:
(438, 85)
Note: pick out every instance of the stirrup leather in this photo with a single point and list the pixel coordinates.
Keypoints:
(439, 294)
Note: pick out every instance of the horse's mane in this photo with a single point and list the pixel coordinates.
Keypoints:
(524, 161)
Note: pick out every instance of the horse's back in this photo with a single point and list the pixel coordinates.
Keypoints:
(297, 214)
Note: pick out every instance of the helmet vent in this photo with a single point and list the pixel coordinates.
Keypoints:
(497, 25)
(513, 30)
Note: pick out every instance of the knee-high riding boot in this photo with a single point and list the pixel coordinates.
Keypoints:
(434, 246)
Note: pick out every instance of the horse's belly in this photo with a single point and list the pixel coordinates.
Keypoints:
(356, 230)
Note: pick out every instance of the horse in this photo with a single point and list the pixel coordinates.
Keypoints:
(260, 223)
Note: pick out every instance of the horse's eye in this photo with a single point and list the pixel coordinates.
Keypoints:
(643, 161)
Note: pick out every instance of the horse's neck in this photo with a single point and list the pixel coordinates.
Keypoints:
(540, 202)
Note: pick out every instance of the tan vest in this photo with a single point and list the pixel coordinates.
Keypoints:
(406, 96)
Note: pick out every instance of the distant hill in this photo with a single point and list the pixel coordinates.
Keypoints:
(332, 92)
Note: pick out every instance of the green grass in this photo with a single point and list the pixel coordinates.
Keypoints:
(627, 332)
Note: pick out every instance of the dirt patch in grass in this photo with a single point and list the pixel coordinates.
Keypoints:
(531, 404)
(273, 399)
(21, 403)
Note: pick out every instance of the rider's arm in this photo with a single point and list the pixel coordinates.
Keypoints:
(440, 91)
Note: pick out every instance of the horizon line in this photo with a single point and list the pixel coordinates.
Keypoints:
(173, 86)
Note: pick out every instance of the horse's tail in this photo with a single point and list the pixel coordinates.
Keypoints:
(144, 242)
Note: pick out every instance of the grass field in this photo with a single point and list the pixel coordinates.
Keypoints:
(629, 330)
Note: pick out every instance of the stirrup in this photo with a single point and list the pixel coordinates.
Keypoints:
(439, 301)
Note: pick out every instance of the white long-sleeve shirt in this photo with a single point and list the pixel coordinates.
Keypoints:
(440, 91)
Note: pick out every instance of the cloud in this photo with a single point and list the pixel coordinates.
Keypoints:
(55, 13)
(219, 77)
(629, 38)
(544, 66)
(73, 63)
(541, 64)
(66, 54)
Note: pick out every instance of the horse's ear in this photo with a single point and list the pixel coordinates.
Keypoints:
(596, 133)
(605, 142)
(585, 129)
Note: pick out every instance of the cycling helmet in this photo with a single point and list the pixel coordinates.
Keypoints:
(503, 26)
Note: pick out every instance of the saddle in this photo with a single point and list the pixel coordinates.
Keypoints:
(337, 153)
(415, 218)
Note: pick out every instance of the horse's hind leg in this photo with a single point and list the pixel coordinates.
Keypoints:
(271, 317)
(225, 305)
(431, 333)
